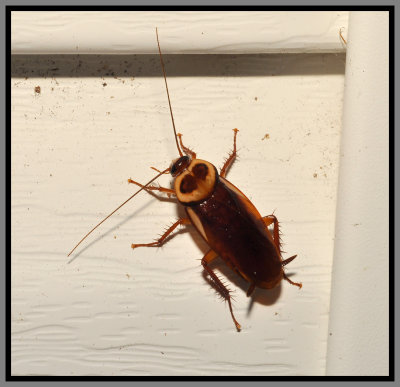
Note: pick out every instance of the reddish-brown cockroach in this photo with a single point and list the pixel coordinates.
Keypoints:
(226, 219)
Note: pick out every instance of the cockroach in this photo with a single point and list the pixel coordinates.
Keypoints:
(226, 219)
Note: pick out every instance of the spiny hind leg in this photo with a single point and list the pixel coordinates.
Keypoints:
(209, 257)
(231, 157)
(272, 219)
(188, 151)
(161, 240)
(168, 191)
(299, 284)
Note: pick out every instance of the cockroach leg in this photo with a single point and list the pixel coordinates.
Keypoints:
(185, 149)
(284, 263)
(168, 191)
(231, 157)
(161, 240)
(299, 284)
(272, 219)
(210, 256)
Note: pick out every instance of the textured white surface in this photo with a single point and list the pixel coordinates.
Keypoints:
(115, 311)
(181, 32)
(359, 316)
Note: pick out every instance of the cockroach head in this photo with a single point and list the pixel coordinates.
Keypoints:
(179, 165)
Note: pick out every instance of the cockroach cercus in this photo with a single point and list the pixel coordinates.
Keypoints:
(226, 219)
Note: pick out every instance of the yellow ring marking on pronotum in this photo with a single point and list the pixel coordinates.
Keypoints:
(192, 185)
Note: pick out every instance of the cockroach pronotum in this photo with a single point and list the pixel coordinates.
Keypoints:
(226, 219)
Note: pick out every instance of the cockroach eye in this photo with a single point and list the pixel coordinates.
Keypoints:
(179, 165)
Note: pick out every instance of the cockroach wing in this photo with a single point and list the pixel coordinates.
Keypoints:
(234, 229)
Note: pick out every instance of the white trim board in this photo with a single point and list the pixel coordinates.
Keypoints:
(217, 32)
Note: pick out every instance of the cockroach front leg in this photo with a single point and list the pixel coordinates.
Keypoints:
(231, 157)
(168, 191)
(188, 151)
(161, 240)
(210, 256)
(272, 219)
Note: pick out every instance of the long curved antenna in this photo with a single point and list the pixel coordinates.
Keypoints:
(126, 201)
(169, 100)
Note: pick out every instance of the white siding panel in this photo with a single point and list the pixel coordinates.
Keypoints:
(101, 119)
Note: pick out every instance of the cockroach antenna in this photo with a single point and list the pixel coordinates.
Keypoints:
(169, 100)
(109, 215)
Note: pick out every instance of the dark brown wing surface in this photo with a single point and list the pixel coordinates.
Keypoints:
(235, 230)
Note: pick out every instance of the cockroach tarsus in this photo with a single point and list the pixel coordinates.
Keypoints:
(225, 218)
